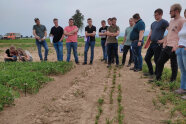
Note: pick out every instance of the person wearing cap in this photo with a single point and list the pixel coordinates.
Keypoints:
(40, 34)
(58, 34)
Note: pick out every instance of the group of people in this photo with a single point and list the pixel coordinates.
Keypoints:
(172, 46)
(12, 55)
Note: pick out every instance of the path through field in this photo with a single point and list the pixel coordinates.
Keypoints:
(72, 98)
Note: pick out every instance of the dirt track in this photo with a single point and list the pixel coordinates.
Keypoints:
(72, 98)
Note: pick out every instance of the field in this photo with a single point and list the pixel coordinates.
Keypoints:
(65, 93)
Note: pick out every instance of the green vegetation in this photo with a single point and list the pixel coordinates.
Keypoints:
(120, 107)
(100, 110)
(168, 96)
(18, 77)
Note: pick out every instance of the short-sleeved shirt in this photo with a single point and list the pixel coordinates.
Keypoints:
(112, 29)
(40, 30)
(103, 30)
(72, 38)
(158, 29)
(57, 33)
(8, 52)
(127, 35)
(91, 30)
(139, 26)
(175, 26)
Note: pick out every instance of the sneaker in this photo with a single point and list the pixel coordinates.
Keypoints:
(136, 70)
(90, 63)
(117, 65)
(132, 68)
(147, 74)
(128, 65)
(105, 61)
(102, 60)
(151, 81)
(77, 63)
(84, 63)
(180, 91)
(108, 66)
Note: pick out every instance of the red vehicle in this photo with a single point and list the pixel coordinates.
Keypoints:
(12, 36)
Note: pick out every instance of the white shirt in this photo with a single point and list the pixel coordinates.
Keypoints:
(182, 36)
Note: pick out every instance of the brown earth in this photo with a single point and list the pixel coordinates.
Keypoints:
(72, 98)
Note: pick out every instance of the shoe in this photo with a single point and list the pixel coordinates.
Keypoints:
(135, 70)
(84, 63)
(180, 91)
(139, 69)
(128, 65)
(108, 66)
(102, 60)
(151, 81)
(122, 64)
(117, 65)
(105, 61)
(77, 63)
(147, 74)
(90, 63)
(132, 68)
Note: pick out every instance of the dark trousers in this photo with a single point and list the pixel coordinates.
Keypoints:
(167, 54)
(126, 48)
(112, 49)
(154, 50)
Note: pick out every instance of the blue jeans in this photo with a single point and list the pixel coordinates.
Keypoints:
(90, 44)
(59, 50)
(112, 50)
(104, 48)
(44, 44)
(138, 60)
(181, 58)
(72, 45)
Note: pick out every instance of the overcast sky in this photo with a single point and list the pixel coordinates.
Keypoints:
(18, 15)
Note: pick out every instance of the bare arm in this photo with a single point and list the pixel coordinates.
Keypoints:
(68, 34)
(35, 35)
(141, 34)
(124, 39)
(62, 37)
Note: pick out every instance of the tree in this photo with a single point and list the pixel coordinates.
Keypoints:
(78, 19)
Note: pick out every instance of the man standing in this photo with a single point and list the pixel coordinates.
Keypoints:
(40, 34)
(71, 42)
(127, 43)
(57, 34)
(112, 42)
(90, 32)
(171, 43)
(137, 37)
(103, 35)
(157, 33)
